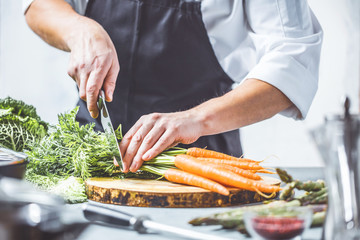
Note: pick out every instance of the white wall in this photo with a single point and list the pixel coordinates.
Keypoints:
(36, 73)
(339, 75)
(30, 69)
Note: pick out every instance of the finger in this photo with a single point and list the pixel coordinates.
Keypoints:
(164, 142)
(110, 81)
(124, 144)
(135, 166)
(71, 69)
(83, 77)
(134, 145)
(150, 139)
(93, 87)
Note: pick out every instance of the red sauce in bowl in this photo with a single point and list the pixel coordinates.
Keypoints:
(278, 228)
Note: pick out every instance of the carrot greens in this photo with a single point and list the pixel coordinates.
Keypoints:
(67, 156)
(71, 149)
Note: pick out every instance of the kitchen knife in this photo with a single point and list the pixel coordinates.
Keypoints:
(108, 129)
(96, 213)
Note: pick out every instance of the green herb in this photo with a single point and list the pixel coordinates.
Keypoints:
(72, 189)
(44, 182)
(20, 126)
(70, 150)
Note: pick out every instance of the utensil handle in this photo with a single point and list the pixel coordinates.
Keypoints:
(98, 213)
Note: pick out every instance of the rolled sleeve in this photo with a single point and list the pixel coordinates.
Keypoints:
(287, 39)
(78, 5)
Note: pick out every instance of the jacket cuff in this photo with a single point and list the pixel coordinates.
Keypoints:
(291, 78)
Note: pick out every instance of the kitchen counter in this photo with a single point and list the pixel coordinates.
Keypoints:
(180, 216)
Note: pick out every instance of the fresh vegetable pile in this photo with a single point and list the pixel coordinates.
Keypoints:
(20, 126)
(69, 154)
(315, 197)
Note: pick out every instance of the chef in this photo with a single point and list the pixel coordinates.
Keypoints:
(184, 71)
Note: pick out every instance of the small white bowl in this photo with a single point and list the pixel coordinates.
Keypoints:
(278, 223)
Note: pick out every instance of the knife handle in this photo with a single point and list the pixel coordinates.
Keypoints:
(98, 213)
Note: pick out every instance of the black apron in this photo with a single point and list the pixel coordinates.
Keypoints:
(167, 63)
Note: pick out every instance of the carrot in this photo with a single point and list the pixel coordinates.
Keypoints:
(179, 176)
(205, 153)
(192, 165)
(265, 171)
(235, 163)
(241, 172)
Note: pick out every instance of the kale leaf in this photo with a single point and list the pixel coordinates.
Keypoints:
(20, 126)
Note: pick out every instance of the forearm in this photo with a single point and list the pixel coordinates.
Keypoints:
(251, 102)
(93, 59)
(55, 22)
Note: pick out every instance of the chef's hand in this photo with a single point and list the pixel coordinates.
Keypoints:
(93, 62)
(154, 133)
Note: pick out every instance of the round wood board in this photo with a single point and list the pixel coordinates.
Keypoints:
(161, 193)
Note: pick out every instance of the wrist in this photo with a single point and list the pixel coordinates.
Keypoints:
(72, 32)
(80, 28)
(203, 121)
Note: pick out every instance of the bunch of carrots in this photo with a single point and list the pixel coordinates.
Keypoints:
(210, 170)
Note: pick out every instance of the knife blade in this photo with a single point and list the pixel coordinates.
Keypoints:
(108, 129)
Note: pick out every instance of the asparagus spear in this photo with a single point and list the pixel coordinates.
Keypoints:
(310, 185)
(284, 176)
(307, 186)
(288, 191)
(314, 197)
(234, 218)
(315, 189)
(320, 199)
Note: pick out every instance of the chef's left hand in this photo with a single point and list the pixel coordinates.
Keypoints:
(153, 133)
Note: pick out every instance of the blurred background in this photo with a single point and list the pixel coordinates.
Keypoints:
(36, 73)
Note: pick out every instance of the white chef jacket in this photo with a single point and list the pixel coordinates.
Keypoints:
(276, 41)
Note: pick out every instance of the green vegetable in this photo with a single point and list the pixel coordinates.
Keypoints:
(315, 191)
(70, 150)
(71, 189)
(20, 126)
(314, 197)
(44, 182)
(318, 219)
(310, 185)
(288, 191)
(235, 218)
(284, 176)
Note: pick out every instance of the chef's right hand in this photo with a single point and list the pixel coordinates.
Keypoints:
(93, 62)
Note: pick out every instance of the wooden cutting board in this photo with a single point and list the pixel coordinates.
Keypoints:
(161, 193)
